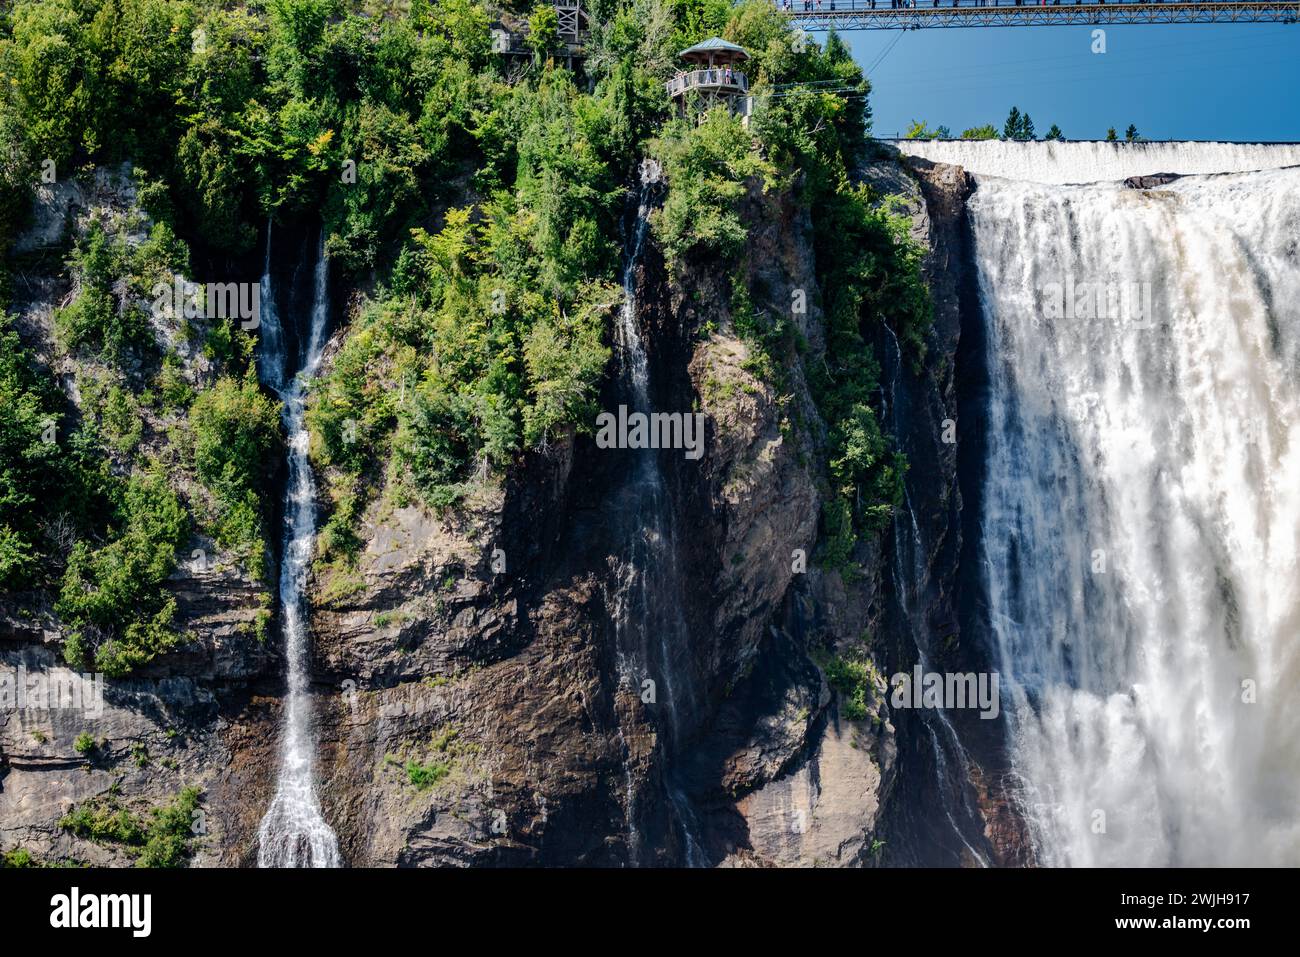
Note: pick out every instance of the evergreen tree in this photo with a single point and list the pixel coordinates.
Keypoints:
(1011, 129)
(1026, 128)
(1111, 136)
(1054, 133)
(1131, 134)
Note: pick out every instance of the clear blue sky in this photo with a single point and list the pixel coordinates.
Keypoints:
(1175, 81)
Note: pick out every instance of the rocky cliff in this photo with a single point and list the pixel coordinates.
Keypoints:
(471, 709)
(202, 715)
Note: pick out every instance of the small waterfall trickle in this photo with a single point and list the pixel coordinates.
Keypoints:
(293, 833)
(271, 354)
(909, 577)
(651, 632)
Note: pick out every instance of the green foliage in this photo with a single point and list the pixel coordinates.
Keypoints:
(18, 857)
(491, 339)
(880, 283)
(447, 749)
(920, 130)
(236, 431)
(543, 30)
(425, 776)
(84, 744)
(103, 821)
(1054, 133)
(160, 839)
(120, 420)
(1018, 126)
(708, 166)
(854, 681)
(97, 318)
(113, 600)
(168, 832)
(30, 461)
(986, 132)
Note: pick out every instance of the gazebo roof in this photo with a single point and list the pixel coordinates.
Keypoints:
(715, 49)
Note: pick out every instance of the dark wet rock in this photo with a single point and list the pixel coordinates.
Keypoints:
(1151, 182)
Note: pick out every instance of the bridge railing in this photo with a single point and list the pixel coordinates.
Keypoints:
(715, 80)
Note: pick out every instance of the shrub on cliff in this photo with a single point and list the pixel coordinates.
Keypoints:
(113, 600)
(159, 839)
(30, 459)
(707, 166)
(236, 433)
(96, 318)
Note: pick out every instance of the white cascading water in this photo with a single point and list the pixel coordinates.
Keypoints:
(1141, 512)
(293, 833)
(270, 349)
(1094, 162)
(650, 629)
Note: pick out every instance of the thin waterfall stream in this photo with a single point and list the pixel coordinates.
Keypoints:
(650, 628)
(293, 832)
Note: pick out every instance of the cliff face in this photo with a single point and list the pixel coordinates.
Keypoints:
(470, 707)
(949, 803)
(481, 645)
(203, 715)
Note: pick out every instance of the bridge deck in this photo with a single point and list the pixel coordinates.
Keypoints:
(812, 15)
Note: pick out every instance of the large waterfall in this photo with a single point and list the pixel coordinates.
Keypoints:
(1140, 516)
(293, 833)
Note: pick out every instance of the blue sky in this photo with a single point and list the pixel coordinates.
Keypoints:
(1175, 81)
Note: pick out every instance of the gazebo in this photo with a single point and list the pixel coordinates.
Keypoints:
(714, 75)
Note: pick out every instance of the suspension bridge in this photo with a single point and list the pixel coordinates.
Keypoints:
(822, 15)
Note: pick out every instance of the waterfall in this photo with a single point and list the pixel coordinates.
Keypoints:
(1140, 519)
(270, 351)
(293, 833)
(1093, 161)
(910, 578)
(650, 629)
